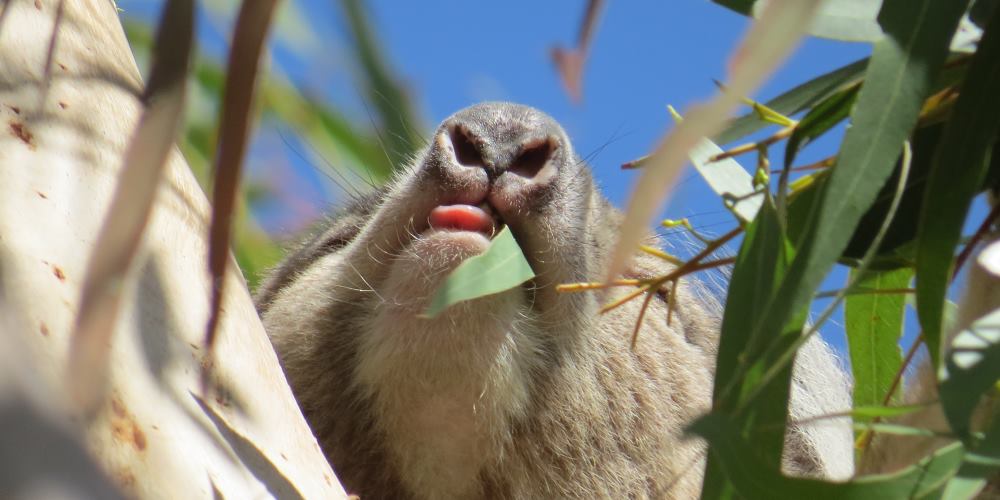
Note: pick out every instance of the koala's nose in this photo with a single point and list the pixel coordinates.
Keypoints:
(527, 154)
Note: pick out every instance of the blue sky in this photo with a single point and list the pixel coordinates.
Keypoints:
(451, 54)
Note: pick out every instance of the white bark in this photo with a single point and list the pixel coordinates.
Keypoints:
(62, 138)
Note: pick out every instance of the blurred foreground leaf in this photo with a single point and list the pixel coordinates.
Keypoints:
(960, 166)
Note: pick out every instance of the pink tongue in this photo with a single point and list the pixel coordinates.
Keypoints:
(464, 217)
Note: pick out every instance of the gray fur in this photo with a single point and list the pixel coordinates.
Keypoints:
(524, 394)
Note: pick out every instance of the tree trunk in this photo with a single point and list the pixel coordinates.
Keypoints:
(65, 127)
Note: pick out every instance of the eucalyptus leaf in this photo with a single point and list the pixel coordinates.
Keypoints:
(744, 7)
(728, 179)
(971, 368)
(769, 40)
(755, 478)
(501, 267)
(874, 324)
(981, 465)
(879, 411)
(795, 100)
(819, 120)
(761, 263)
(960, 167)
(903, 66)
(894, 429)
(844, 20)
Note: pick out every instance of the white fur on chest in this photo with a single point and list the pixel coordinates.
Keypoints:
(445, 390)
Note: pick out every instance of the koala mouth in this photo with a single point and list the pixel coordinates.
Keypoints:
(460, 217)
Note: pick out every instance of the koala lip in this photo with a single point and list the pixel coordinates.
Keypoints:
(462, 217)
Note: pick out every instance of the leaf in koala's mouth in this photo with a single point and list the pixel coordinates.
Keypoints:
(501, 267)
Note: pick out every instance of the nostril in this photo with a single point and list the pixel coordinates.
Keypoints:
(533, 158)
(466, 152)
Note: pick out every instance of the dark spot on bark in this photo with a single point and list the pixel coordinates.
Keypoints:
(118, 408)
(58, 272)
(43, 329)
(38, 4)
(138, 437)
(124, 427)
(125, 479)
(41, 195)
(15, 109)
(21, 132)
(63, 105)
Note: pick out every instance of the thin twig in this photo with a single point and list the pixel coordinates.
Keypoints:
(642, 314)
(984, 228)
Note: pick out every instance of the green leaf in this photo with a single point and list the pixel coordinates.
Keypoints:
(728, 179)
(972, 367)
(982, 10)
(501, 267)
(981, 465)
(820, 120)
(903, 229)
(848, 20)
(903, 66)
(744, 7)
(845, 20)
(874, 323)
(763, 258)
(895, 429)
(959, 169)
(879, 411)
(795, 100)
(755, 478)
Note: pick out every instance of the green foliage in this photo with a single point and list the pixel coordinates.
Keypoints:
(874, 324)
(891, 204)
(959, 168)
(753, 478)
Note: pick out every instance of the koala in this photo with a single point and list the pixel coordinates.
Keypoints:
(528, 393)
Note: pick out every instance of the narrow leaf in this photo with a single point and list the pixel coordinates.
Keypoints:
(819, 120)
(744, 7)
(874, 323)
(796, 100)
(960, 166)
(980, 466)
(844, 20)
(234, 130)
(754, 478)
(501, 267)
(728, 179)
(971, 368)
(894, 429)
(762, 261)
(902, 68)
(879, 411)
(769, 41)
(121, 232)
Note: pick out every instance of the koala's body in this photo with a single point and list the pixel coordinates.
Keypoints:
(528, 393)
